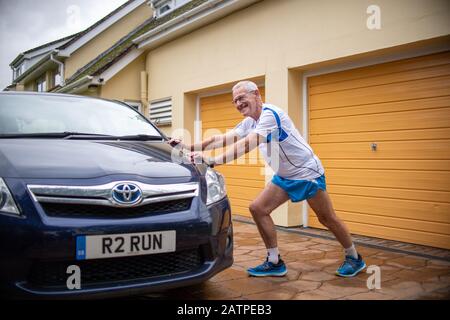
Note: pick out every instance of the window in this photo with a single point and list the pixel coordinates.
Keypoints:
(164, 8)
(161, 112)
(57, 79)
(41, 84)
(135, 105)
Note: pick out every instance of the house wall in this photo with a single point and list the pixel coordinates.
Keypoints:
(106, 39)
(276, 40)
(126, 84)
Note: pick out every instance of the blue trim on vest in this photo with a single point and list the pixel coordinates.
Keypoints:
(282, 135)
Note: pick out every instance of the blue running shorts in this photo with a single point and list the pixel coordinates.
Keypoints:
(299, 190)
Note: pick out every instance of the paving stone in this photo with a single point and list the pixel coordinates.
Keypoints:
(317, 276)
(434, 286)
(304, 266)
(304, 255)
(217, 292)
(327, 262)
(334, 292)
(249, 285)
(279, 294)
(419, 275)
(403, 290)
(303, 285)
(366, 251)
(325, 247)
(371, 295)
(387, 255)
(408, 262)
(229, 274)
(245, 257)
(310, 295)
(436, 264)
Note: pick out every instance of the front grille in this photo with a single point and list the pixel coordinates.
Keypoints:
(101, 271)
(95, 211)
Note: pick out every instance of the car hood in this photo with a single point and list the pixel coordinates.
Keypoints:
(75, 159)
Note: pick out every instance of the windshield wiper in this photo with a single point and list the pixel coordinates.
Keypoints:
(139, 137)
(56, 135)
(81, 135)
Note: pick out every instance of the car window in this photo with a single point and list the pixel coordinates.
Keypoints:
(27, 114)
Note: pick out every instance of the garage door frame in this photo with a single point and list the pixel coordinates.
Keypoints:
(358, 63)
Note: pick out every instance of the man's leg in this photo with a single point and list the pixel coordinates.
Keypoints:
(268, 200)
(322, 206)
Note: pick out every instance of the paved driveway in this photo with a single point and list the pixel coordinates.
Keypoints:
(311, 263)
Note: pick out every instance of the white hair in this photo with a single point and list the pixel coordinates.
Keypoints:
(248, 85)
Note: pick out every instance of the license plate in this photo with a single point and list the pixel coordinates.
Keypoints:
(128, 244)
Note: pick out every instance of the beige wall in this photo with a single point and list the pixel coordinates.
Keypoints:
(126, 84)
(106, 39)
(276, 39)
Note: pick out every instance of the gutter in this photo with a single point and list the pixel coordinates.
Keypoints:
(177, 20)
(61, 67)
(201, 12)
(86, 80)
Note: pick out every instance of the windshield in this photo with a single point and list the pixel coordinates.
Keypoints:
(31, 114)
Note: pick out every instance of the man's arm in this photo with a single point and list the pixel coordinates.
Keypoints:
(213, 142)
(238, 149)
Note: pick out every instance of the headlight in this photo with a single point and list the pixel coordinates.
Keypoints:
(216, 186)
(7, 203)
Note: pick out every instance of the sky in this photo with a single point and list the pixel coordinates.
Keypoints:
(26, 24)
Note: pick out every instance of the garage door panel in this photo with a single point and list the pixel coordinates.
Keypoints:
(260, 183)
(242, 211)
(418, 119)
(391, 193)
(420, 180)
(401, 191)
(386, 68)
(389, 78)
(225, 114)
(400, 234)
(414, 150)
(229, 124)
(243, 192)
(405, 209)
(435, 165)
(394, 135)
(410, 224)
(249, 173)
(417, 89)
(409, 105)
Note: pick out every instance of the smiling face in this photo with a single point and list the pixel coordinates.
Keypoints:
(248, 103)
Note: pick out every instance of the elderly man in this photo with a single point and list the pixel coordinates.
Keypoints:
(299, 175)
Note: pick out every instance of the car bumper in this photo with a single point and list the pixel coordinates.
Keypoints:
(28, 246)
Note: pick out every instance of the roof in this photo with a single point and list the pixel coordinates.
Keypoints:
(82, 33)
(74, 37)
(103, 61)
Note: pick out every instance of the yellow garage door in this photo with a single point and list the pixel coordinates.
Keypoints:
(383, 134)
(244, 177)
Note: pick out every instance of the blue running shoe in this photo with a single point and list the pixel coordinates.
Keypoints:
(351, 267)
(269, 269)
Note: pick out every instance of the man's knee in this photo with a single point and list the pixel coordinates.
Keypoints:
(328, 220)
(257, 210)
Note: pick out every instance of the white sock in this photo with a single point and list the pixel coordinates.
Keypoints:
(272, 255)
(351, 252)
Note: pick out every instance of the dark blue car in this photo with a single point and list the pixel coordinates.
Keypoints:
(95, 203)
